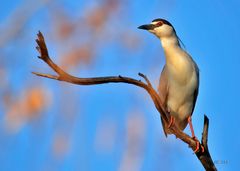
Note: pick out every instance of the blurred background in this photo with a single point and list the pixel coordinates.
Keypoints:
(49, 125)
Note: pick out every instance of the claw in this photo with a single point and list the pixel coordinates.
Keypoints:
(198, 146)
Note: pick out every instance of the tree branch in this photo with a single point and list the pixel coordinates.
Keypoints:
(204, 157)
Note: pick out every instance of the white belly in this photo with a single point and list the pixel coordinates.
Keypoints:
(182, 85)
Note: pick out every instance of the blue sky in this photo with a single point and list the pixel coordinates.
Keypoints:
(210, 32)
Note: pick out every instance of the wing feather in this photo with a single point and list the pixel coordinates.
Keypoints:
(163, 93)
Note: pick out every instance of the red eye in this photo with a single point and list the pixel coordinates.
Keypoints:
(159, 24)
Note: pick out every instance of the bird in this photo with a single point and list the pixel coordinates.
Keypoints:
(179, 81)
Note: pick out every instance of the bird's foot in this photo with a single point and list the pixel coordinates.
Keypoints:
(171, 122)
(198, 145)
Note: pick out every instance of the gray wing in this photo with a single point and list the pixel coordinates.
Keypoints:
(197, 88)
(163, 93)
(163, 86)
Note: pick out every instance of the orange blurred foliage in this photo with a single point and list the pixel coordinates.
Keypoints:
(97, 17)
(26, 107)
(80, 55)
(60, 145)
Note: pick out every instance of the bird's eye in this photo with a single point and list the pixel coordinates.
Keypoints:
(159, 24)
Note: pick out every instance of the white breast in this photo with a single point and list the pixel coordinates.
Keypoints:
(182, 82)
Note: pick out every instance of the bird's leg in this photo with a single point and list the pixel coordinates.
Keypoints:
(193, 135)
(171, 122)
(172, 119)
(191, 126)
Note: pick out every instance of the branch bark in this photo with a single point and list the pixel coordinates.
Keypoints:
(204, 157)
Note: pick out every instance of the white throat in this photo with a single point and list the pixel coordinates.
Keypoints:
(170, 41)
(175, 56)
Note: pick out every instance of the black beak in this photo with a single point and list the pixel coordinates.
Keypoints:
(147, 27)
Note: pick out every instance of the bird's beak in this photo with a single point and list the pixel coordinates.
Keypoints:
(146, 27)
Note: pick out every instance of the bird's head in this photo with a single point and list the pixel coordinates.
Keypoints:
(160, 27)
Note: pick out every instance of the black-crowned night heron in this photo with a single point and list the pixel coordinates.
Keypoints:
(179, 81)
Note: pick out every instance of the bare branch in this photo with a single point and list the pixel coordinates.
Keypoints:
(204, 157)
(205, 131)
(54, 77)
(145, 78)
